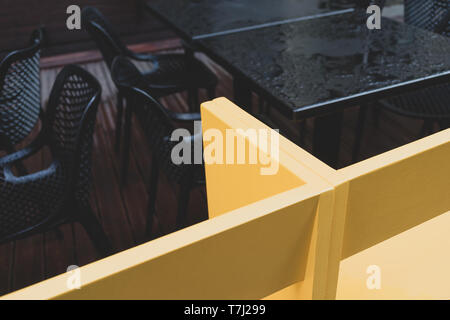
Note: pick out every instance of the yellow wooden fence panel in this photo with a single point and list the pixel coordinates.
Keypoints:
(375, 199)
(395, 191)
(411, 265)
(230, 186)
(386, 195)
(245, 254)
(266, 244)
(283, 235)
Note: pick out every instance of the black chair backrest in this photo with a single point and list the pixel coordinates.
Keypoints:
(154, 118)
(20, 91)
(70, 121)
(103, 34)
(364, 4)
(358, 4)
(431, 15)
(28, 202)
(130, 81)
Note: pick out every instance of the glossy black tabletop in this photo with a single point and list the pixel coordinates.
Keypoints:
(312, 66)
(195, 19)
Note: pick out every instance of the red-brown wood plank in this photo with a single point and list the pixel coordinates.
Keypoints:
(20, 17)
(6, 266)
(28, 261)
(110, 205)
(133, 194)
(59, 252)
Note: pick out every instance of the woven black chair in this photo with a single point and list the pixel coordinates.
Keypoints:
(20, 93)
(357, 4)
(431, 15)
(430, 104)
(158, 124)
(171, 73)
(59, 194)
(364, 4)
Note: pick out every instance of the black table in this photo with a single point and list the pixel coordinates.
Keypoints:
(199, 19)
(320, 66)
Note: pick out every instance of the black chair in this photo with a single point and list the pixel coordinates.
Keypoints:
(58, 194)
(20, 93)
(430, 104)
(158, 124)
(431, 15)
(345, 4)
(171, 73)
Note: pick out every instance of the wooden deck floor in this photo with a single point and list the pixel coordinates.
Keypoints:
(122, 211)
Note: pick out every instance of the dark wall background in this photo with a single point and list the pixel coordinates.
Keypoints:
(18, 18)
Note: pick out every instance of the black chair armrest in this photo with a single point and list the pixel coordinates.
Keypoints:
(442, 25)
(153, 86)
(141, 56)
(24, 153)
(10, 177)
(196, 137)
(184, 116)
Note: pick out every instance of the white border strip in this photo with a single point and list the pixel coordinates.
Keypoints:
(357, 95)
(270, 24)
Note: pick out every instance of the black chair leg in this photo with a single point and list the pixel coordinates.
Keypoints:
(376, 115)
(242, 94)
(444, 124)
(263, 107)
(427, 128)
(119, 121)
(94, 230)
(183, 202)
(193, 102)
(211, 93)
(260, 105)
(126, 146)
(327, 138)
(152, 192)
(59, 234)
(359, 132)
(302, 132)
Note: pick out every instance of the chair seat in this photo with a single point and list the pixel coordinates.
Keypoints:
(430, 103)
(26, 202)
(180, 73)
(175, 172)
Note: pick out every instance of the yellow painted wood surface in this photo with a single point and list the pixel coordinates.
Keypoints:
(413, 265)
(396, 191)
(284, 236)
(229, 186)
(265, 245)
(386, 195)
(245, 254)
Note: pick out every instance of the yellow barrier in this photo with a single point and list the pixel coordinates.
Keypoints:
(232, 256)
(283, 235)
(264, 245)
(229, 186)
(374, 200)
(396, 191)
(411, 265)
